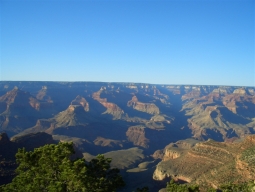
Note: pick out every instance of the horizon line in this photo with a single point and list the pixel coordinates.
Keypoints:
(126, 83)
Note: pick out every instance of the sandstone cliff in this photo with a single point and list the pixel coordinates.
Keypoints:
(150, 108)
(111, 108)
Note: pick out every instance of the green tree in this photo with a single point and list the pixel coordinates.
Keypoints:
(212, 190)
(50, 169)
(243, 187)
(175, 187)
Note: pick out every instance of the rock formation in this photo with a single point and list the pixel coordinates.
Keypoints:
(111, 108)
(81, 101)
(20, 110)
(136, 135)
(150, 108)
(210, 163)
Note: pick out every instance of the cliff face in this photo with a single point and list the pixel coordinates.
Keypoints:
(136, 135)
(16, 106)
(242, 104)
(111, 108)
(172, 153)
(210, 163)
(108, 142)
(81, 101)
(220, 116)
(175, 150)
(43, 95)
(150, 108)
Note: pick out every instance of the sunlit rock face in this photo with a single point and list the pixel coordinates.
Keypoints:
(150, 108)
(210, 163)
(111, 108)
(81, 101)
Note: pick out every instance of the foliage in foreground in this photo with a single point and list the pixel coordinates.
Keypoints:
(50, 169)
(230, 187)
(243, 187)
(172, 186)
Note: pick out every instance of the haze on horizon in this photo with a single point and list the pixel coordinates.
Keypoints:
(158, 42)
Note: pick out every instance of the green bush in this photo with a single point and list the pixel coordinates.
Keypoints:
(175, 187)
(50, 169)
(230, 187)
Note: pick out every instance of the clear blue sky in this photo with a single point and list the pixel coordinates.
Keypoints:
(209, 42)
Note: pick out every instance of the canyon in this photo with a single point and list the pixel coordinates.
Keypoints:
(152, 132)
